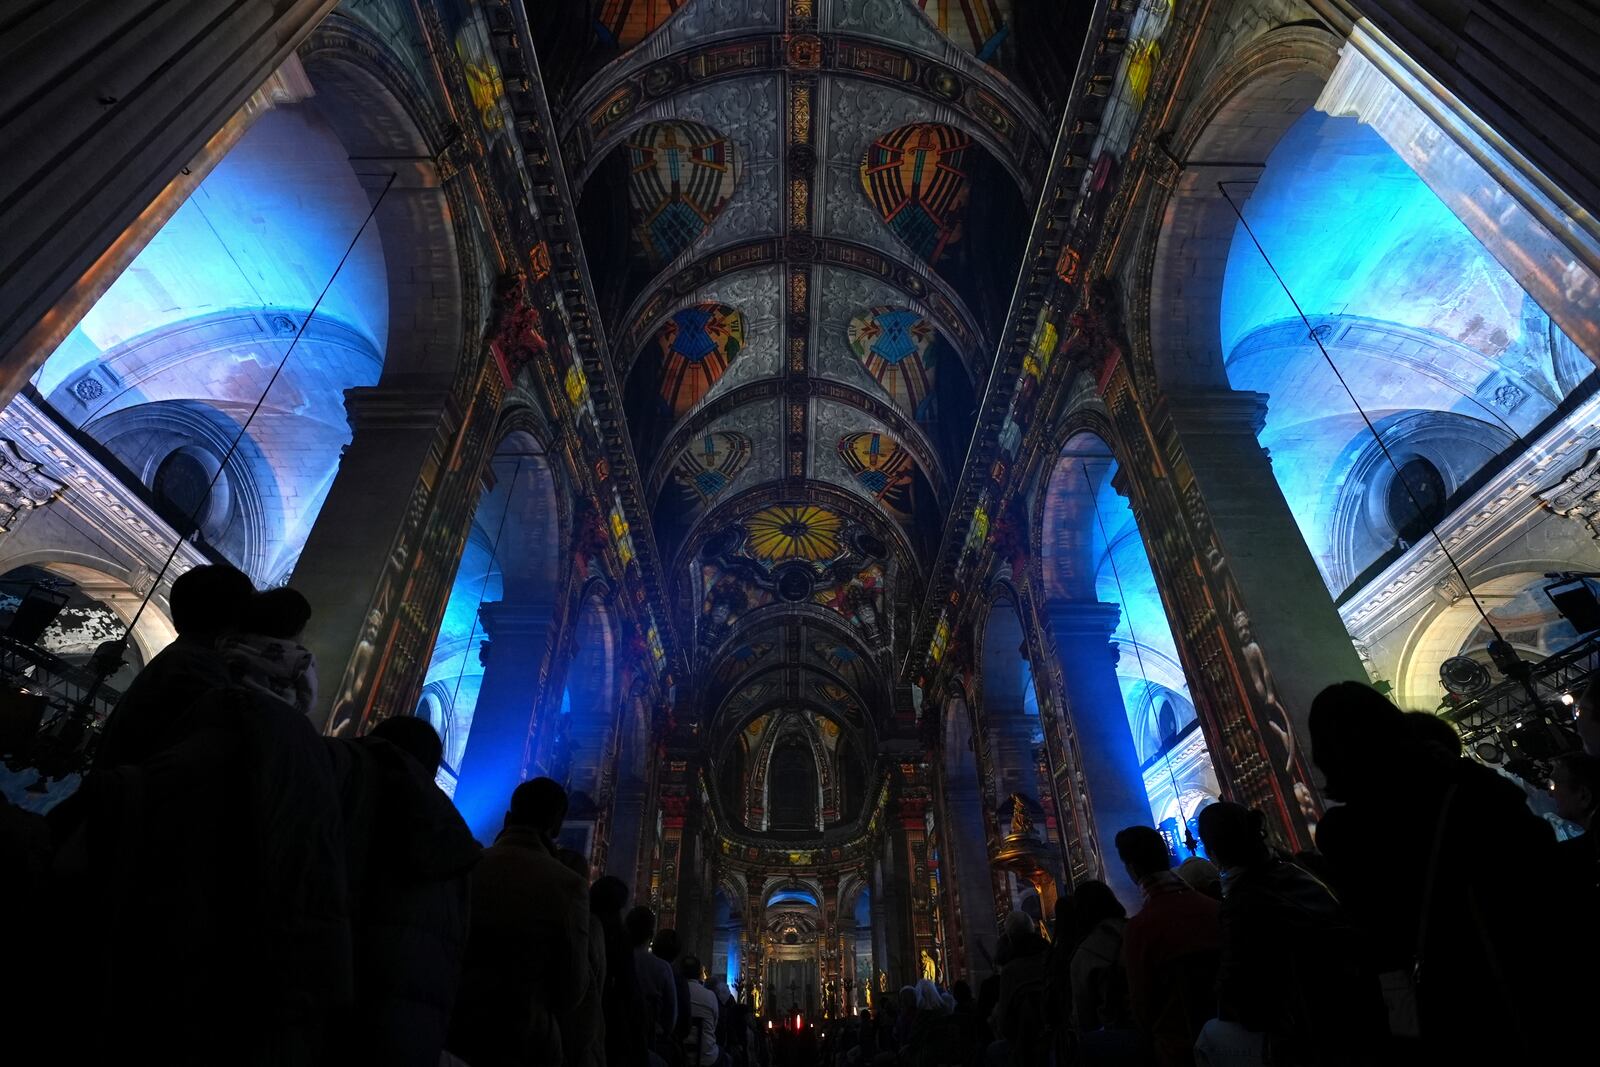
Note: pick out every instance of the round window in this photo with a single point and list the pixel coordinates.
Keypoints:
(1167, 721)
(1416, 499)
(182, 485)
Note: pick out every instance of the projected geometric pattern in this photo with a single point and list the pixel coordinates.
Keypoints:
(707, 467)
(697, 344)
(794, 531)
(881, 466)
(914, 178)
(624, 23)
(893, 344)
(680, 174)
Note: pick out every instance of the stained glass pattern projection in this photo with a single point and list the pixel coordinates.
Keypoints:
(697, 344)
(881, 466)
(895, 346)
(979, 26)
(794, 531)
(680, 174)
(710, 465)
(624, 23)
(915, 179)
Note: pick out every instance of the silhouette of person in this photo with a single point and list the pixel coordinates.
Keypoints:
(527, 959)
(207, 603)
(266, 652)
(409, 858)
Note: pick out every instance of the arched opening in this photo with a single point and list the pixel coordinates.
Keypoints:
(53, 616)
(1436, 342)
(480, 689)
(966, 838)
(792, 786)
(215, 316)
(861, 961)
(791, 930)
(727, 938)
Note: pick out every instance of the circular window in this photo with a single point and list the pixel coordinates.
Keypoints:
(1167, 721)
(182, 484)
(1416, 499)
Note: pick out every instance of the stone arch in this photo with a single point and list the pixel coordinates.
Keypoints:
(385, 122)
(1225, 135)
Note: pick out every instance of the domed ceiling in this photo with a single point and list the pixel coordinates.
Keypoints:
(803, 219)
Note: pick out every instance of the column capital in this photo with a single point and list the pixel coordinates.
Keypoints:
(414, 402)
(1217, 411)
(511, 619)
(1084, 618)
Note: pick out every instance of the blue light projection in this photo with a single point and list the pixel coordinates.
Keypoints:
(792, 895)
(1414, 311)
(1155, 692)
(186, 340)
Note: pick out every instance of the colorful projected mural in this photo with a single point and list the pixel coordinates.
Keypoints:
(978, 26)
(896, 347)
(881, 466)
(680, 174)
(708, 466)
(915, 179)
(697, 344)
(794, 531)
(624, 23)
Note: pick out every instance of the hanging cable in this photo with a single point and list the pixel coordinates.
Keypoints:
(483, 587)
(262, 399)
(1372, 429)
(1133, 639)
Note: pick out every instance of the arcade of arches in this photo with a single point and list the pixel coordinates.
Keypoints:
(869, 451)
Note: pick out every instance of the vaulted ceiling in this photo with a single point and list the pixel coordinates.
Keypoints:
(803, 220)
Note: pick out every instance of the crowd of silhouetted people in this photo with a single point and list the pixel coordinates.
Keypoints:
(228, 886)
(1438, 920)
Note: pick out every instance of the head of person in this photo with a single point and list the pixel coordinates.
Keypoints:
(1234, 835)
(573, 860)
(1201, 875)
(539, 804)
(961, 991)
(608, 896)
(209, 602)
(415, 737)
(1575, 788)
(689, 967)
(640, 923)
(1143, 852)
(1433, 733)
(281, 614)
(666, 944)
(1093, 903)
(1358, 737)
(929, 998)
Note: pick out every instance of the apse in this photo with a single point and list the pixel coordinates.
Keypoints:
(212, 326)
(1450, 361)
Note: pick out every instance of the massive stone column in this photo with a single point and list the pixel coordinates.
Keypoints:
(493, 763)
(1285, 610)
(379, 561)
(1088, 659)
(112, 101)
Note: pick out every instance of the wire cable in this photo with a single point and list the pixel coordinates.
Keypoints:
(1372, 429)
(483, 587)
(244, 428)
(1133, 639)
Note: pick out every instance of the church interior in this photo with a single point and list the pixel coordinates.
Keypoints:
(868, 453)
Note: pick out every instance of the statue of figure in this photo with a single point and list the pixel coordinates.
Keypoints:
(1021, 821)
(930, 969)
